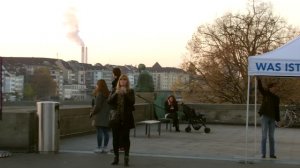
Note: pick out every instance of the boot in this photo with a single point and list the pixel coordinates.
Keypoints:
(177, 128)
(116, 161)
(126, 161)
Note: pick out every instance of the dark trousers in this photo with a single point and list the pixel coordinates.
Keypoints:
(174, 117)
(120, 135)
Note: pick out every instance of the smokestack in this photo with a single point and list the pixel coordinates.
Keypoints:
(84, 54)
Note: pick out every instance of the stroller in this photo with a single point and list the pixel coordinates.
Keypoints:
(196, 120)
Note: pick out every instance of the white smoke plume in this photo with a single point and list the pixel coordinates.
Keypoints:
(72, 24)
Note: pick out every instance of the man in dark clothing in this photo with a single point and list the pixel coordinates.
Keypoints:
(269, 112)
(116, 75)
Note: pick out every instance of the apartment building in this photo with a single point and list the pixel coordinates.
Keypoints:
(164, 78)
(76, 80)
(13, 87)
(57, 76)
(74, 92)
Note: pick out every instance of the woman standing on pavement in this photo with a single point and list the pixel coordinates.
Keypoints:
(100, 114)
(116, 75)
(122, 101)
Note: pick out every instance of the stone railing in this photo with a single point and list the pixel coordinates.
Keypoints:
(225, 113)
(18, 127)
(77, 120)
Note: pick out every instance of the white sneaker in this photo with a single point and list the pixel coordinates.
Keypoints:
(98, 150)
(104, 150)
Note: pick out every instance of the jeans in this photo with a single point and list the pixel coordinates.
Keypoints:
(102, 131)
(268, 129)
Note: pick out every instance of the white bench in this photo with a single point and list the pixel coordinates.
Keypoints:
(148, 124)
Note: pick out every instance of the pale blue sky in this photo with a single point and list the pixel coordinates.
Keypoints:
(115, 31)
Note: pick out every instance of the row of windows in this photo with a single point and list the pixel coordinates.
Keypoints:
(74, 87)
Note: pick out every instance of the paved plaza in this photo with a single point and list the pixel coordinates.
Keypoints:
(225, 146)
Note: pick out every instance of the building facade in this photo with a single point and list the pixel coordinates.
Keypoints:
(75, 92)
(165, 78)
(76, 81)
(13, 87)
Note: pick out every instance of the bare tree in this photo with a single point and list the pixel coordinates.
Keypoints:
(218, 52)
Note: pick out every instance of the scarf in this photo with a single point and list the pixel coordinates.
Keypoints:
(121, 106)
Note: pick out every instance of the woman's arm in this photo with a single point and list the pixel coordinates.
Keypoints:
(130, 97)
(167, 108)
(112, 99)
(176, 107)
(261, 89)
(98, 103)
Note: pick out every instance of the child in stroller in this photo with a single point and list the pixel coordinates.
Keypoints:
(196, 120)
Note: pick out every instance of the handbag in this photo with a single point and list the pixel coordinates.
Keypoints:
(113, 117)
(93, 123)
(92, 117)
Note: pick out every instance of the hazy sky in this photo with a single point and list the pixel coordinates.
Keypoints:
(115, 31)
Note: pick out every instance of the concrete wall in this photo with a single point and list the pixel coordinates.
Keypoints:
(18, 131)
(76, 120)
(18, 128)
(225, 113)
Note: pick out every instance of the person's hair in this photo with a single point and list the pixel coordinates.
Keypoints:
(117, 71)
(174, 99)
(101, 87)
(127, 84)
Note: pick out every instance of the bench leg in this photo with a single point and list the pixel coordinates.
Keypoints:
(134, 131)
(159, 128)
(149, 130)
(167, 126)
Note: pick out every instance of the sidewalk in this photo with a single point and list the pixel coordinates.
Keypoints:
(223, 147)
(224, 142)
(81, 160)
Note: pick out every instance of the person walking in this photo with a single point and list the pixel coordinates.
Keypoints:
(100, 115)
(269, 113)
(171, 108)
(122, 101)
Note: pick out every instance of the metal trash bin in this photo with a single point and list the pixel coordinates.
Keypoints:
(48, 126)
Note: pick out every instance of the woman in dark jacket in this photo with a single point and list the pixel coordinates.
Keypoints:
(100, 114)
(122, 101)
(171, 108)
(116, 74)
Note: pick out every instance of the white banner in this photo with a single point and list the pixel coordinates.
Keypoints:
(273, 67)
